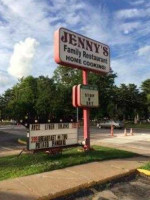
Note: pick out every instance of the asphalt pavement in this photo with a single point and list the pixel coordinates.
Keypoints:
(9, 138)
(139, 142)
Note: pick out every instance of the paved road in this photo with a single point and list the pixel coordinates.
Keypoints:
(140, 142)
(9, 136)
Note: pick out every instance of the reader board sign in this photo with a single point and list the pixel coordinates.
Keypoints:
(87, 96)
(75, 50)
(43, 136)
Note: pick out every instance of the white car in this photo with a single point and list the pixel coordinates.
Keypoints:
(107, 124)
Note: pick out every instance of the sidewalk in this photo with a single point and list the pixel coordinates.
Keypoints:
(9, 152)
(64, 181)
(138, 143)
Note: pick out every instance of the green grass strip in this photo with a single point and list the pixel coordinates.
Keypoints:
(146, 167)
(142, 126)
(27, 164)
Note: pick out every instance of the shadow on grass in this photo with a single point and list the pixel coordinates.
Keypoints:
(13, 166)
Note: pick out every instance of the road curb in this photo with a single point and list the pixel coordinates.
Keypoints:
(21, 142)
(87, 185)
(144, 171)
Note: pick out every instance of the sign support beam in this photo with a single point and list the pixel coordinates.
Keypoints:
(86, 116)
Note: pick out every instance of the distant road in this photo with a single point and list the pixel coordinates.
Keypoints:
(10, 134)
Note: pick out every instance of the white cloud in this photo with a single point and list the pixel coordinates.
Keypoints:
(129, 27)
(133, 13)
(21, 60)
(137, 3)
(130, 72)
(144, 51)
(5, 81)
(39, 20)
(129, 13)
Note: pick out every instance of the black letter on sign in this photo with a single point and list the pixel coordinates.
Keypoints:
(105, 51)
(81, 42)
(96, 47)
(64, 37)
(72, 39)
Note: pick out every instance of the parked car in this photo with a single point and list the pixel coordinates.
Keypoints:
(107, 124)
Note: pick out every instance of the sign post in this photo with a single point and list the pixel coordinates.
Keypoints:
(77, 51)
(86, 116)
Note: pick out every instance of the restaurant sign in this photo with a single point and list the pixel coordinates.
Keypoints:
(75, 50)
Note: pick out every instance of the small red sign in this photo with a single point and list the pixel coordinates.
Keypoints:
(74, 96)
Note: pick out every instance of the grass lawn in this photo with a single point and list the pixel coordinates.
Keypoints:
(13, 166)
(147, 166)
(143, 126)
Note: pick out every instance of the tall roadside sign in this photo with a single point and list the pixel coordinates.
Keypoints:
(77, 51)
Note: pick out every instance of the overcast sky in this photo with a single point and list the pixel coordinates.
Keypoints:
(27, 31)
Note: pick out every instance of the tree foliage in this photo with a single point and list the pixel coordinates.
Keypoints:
(45, 98)
(146, 92)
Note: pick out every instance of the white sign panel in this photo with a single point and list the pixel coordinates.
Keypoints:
(87, 96)
(75, 50)
(42, 136)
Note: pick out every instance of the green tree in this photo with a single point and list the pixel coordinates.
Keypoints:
(6, 113)
(46, 97)
(66, 78)
(146, 92)
(105, 84)
(22, 103)
(129, 101)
